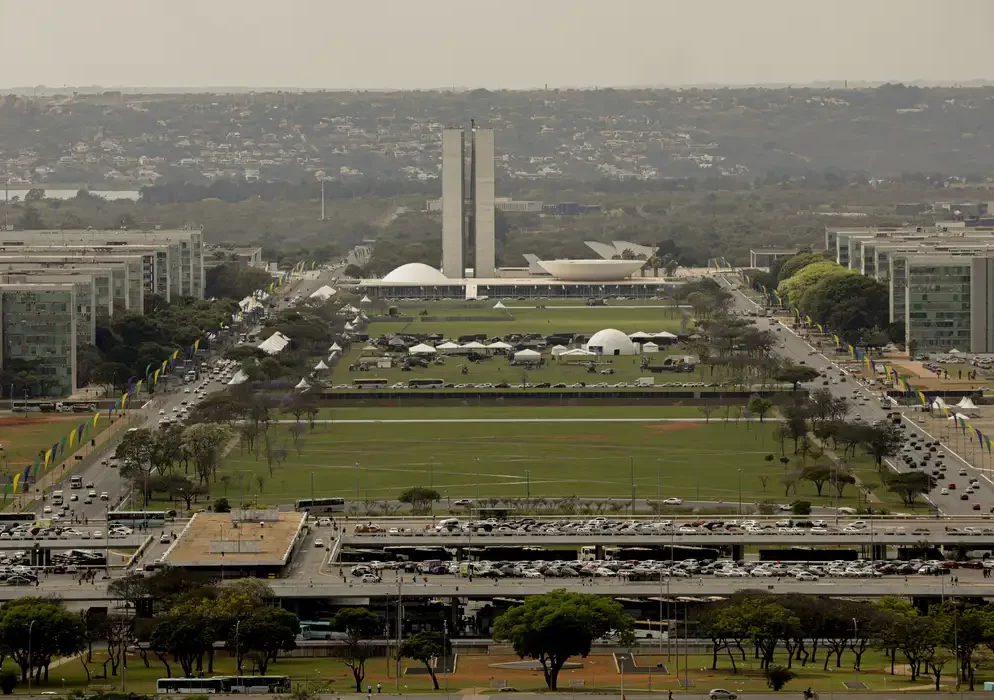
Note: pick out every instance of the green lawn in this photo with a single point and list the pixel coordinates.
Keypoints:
(497, 369)
(517, 412)
(24, 435)
(376, 461)
(598, 672)
(547, 321)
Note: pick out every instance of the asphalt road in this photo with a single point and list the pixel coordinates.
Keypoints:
(797, 350)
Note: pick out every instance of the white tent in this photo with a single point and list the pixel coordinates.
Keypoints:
(302, 384)
(961, 416)
(499, 345)
(274, 344)
(939, 403)
(528, 355)
(365, 300)
(357, 321)
(499, 305)
(239, 378)
(320, 366)
(650, 348)
(349, 326)
(422, 349)
(639, 336)
(558, 350)
(966, 402)
(473, 346)
(335, 347)
(448, 346)
(323, 293)
(578, 352)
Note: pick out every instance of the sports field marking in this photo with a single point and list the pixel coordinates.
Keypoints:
(529, 420)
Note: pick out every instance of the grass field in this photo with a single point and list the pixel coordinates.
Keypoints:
(518, 412)
(547, 321)
(24, 435)
(497, 369)
(598, 671)
(375, 461)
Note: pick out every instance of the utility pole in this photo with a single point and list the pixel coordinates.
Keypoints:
(631, 461)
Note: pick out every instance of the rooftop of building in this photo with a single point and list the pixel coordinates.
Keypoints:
(242, 538)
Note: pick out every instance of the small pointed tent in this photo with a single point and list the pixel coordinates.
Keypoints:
(422, 349)
(939, 403)
(558, 350)
(473, 345)
(650, 348)
(499, 345)
(639, 336)
(320, 366)
(349, 327)
(335, 347)
(527, 355)
(499, 305)
(966, 402)
(365, 300)
(448, 346)
(302, 384)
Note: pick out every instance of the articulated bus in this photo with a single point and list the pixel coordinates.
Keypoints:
(319, 629)
(223, 684)
(17, 518)
(318, 506)
(134, 518)
(425, 384)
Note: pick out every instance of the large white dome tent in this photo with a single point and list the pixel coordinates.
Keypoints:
(611, 341)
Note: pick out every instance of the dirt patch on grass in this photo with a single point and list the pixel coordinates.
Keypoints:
(589, 437)
(673, 427)
(29, 420)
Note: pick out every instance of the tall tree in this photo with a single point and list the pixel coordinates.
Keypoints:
(555, 626)
(359, 626)
(425, 646)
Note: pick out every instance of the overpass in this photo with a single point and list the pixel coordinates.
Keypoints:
(331, 587)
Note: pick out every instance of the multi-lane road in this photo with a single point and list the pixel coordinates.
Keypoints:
(103, 477)
(797, 350)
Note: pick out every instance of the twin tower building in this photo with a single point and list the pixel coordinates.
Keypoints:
(468, 202)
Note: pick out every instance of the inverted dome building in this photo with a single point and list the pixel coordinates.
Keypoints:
(591, 270)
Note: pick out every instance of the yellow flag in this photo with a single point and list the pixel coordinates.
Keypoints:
(72, 437)
(96, 418)
(196, 344)
(17, 478)
(48, 457)
(175, 354)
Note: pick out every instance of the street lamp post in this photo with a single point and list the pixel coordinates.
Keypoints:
(238, 648)
(31, 627)
(740, 491)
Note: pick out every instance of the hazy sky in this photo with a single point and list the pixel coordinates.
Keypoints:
(490, 43)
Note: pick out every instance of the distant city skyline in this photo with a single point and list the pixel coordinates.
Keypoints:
(515, 44)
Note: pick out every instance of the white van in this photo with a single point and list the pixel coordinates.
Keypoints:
(645, 381)
(448, 524)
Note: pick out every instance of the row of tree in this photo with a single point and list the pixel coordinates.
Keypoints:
(802, 626)
(851, 305)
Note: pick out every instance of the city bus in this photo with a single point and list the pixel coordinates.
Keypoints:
(369, 383)
(321, 505)
(223, 684)
(134, 518)
(319, 629)
(425, 384)
(17, 518)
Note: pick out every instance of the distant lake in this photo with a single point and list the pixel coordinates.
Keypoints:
(69, 194)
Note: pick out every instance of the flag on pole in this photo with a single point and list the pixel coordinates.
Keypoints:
(17, 478)
(196, 344)
(96, 417)
(821, 328)
(980, 436)
(988, 441)
(945, 411)
(175, 354)
(72, 438)
(924, 400)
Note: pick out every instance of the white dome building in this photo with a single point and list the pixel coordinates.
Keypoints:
(611, 341)
(415, 273)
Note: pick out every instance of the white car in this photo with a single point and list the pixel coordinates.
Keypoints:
(673, 501)
(805, 576)
(104, 496)
(944, 492)
(97, 534)
(369, 578)
(721, 694)
(165, 539)
(324, 522)
(319, 542)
